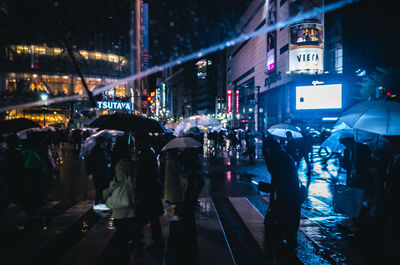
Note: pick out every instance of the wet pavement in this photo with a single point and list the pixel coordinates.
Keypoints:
(228, 223)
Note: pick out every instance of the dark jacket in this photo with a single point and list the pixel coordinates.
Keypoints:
(148, 186)
(284, 188)
(97, 164)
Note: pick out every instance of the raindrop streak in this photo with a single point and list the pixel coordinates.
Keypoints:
(206, 51)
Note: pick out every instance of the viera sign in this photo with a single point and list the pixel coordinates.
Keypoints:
(114, 105)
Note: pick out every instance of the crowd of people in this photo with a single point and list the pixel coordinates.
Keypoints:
(28, 171)
(173, 176)
(375, 172)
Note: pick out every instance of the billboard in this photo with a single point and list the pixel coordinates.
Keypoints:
(271, 36)
(319, 97)
(306, 45)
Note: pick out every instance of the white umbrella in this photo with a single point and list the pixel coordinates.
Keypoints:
(48, 128)
(373, 141)
(90, 142)
(23, 134)
(375, 116)
(181, 143)
(203, 122)
(281, 129)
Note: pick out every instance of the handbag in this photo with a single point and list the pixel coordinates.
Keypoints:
(121, 196)
(348, 200)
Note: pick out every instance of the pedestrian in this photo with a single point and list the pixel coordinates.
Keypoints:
(97, 168)
(76, 137)
(174, 187)
(192, 175)
(149, 206)
(250, 146)
(36, 167)
(283, 217)
(306, 149)
(292, 148)
(14, 170)
(360, 166)
(392, 183)
(123, 216)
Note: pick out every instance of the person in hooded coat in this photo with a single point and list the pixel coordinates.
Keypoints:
(283, 220)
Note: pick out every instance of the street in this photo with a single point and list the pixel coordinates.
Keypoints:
(229, 221)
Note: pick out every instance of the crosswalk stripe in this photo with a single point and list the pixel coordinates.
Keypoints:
(40, 239)
(251, 217)
(89, 248)
(211, 236)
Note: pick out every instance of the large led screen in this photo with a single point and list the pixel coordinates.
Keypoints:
(319, 97)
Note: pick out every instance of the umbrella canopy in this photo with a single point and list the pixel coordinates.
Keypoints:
(127, 122)
(24, 133)
(182, 143)
(281, 129)
(90, 142)
(376, 116)
(203, 122)
(48, 128)
(372, 140)
(255, 133)
(16, 125)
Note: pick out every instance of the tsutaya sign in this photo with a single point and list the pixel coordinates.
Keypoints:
(114, 105)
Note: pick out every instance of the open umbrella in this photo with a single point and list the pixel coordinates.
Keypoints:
(203, 122)
(375, 116)
(127, 122)
(281, 129)
(24, 133)
(373, 141)
(16, 125)
(181, 143)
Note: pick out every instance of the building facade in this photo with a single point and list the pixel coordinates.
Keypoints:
(305, 73)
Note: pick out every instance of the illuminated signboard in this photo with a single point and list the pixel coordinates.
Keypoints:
(237, 101)
(306, 45)
(271, 36)
(114, 105)
(229, 100)
(319, 97)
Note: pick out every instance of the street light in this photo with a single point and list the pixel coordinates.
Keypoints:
(44, 97)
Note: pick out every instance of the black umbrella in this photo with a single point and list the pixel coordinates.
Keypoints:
(127, 122)
(16, 125)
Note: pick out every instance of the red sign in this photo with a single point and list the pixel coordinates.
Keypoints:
(237, 101)
(229, 100)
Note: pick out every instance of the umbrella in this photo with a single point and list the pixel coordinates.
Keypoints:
(127, 122)
(48, 128)
(203, 122)
(182, 143)
(16, 125)
(281, 129)
(375, 116)
(90, 142)
(373, 141)
(23, 134)
(255, 133)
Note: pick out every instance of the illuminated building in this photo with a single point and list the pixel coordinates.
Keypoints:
(335, 48)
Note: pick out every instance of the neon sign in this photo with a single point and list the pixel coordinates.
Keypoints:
(229, 100)
(114, 105)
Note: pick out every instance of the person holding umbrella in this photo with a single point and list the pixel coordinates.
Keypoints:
(97, 167)
(149, 206)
